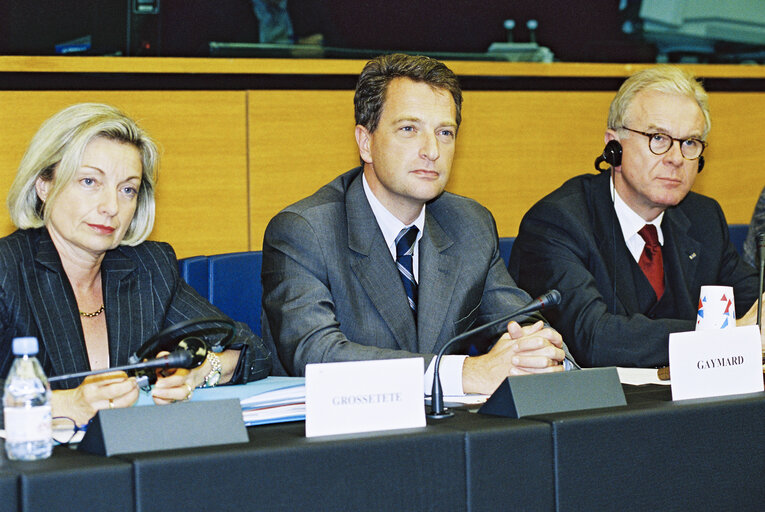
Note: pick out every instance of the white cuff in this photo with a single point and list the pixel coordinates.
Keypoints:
(450, 373)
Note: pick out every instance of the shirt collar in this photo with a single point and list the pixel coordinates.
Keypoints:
(630, 221)
(389, 223)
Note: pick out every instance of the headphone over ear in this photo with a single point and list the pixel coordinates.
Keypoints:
(612, 155)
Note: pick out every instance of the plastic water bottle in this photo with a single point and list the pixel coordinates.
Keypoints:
(26, 405)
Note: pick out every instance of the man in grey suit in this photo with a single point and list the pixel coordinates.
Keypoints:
(382, 263)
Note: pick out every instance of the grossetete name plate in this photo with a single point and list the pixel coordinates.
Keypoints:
(363, 396)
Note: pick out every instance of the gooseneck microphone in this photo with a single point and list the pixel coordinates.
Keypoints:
(761, 258)
(190, 353)
(437, 409)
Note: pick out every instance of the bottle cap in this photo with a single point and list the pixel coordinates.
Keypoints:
(25, 346)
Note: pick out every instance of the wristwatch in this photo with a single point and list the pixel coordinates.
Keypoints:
(214, 376)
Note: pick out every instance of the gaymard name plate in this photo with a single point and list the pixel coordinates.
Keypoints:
(715, 362)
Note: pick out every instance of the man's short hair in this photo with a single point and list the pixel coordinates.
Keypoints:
(55, 155)
(379, 72)
(666, 79)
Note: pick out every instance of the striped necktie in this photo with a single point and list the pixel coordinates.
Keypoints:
(404, 262)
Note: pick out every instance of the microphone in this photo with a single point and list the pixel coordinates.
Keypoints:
(437, 410)
(190, 353)
(761, 258)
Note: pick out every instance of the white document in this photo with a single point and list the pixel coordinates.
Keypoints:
(716, 362)
(640, 376)
(363, 396)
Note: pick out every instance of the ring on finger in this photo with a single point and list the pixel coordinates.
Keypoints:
(191, 390)
(111, 404)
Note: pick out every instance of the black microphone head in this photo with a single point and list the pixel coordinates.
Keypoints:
(760, 243)
(175, 359)
(550, 299)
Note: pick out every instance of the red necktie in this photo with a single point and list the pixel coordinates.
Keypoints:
(651, 261)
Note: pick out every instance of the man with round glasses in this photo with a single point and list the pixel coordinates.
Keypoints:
(630, 247)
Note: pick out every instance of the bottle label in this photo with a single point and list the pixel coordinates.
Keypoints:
(24, 424)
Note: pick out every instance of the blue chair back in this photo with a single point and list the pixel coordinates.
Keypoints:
(235, 286)
(505, 247)
(196, 272)
(738, 235)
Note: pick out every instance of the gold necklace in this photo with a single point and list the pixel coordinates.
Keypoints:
(93, 314)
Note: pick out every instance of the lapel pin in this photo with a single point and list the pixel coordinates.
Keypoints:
(692, 256)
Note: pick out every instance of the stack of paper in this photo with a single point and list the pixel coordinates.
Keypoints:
(271, 400)
(281, 400)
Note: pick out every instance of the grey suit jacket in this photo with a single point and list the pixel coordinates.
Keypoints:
(571, 240)
(143, 294)
(331, 291)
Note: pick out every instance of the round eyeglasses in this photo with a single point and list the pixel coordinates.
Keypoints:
(659, 143)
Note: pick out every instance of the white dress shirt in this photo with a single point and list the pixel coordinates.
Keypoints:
(631, 223)
(451, 365)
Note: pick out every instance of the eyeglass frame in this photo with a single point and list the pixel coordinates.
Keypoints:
(650, 136)
(75, 429)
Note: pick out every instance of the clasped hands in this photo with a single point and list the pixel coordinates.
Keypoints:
(520, 351)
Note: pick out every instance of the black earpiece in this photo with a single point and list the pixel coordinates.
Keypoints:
(612, 155)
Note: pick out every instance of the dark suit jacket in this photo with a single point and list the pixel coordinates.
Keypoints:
(571, 240)
(143, 294)
(331, 290)
(756, 226)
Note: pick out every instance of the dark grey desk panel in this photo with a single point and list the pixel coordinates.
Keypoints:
(70, 480)
(9, 500)
(692, 455)
(509, 462)
(647, 393)
(280, 469)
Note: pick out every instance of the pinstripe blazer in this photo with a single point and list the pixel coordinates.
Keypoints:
(331, 291)
(143, 294)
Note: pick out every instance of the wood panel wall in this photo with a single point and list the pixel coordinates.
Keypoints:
(513, 148)
(232, 159)
(202, 193)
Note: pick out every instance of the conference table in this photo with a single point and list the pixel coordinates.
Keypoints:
(652, 454)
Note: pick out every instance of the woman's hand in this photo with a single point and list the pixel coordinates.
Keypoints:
(103, 391)
(179, 384)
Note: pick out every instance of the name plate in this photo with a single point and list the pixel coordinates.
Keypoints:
(715, 363)
(363, 396)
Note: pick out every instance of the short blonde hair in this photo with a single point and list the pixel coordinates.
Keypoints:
(665, 78)
(55, 155)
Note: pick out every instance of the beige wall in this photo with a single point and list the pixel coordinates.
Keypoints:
(232, 159)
